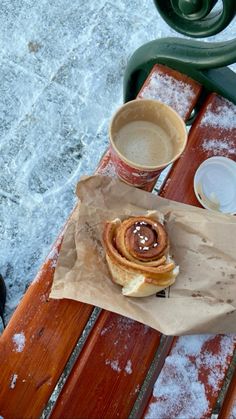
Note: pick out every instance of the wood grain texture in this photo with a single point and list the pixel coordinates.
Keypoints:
(228, 410)
(36, 345)
(107, 377)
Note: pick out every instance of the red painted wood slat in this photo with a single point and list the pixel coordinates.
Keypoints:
(170, 87)
(213, 134)
(191, 377)
(107, 378)
(228, 410)
(36, 345)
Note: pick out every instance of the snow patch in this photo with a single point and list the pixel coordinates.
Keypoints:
(105, 330)
(178, 391)
(114, 365)
(215, 147)
(222, 117)
(19, 342)
(13, 381)
(233, 412)
(128, 367)
(170, 91)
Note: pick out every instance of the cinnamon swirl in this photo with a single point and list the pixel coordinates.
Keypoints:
(137, 255)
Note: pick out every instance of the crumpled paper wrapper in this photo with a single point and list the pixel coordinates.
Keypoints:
(203, 298)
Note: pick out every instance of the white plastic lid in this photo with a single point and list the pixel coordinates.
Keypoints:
(215, 184)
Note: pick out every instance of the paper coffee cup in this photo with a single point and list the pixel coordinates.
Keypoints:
(145, 136)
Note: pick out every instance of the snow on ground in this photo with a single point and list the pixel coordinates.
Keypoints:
(62, 66)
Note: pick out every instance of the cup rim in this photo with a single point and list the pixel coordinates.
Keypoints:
(229, 163)
(136, 165)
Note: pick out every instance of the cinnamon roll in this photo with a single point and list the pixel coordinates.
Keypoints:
(137, 255)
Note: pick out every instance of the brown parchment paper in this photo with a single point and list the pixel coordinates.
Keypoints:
(203, 244)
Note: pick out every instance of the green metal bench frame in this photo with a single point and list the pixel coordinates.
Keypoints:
(204, 62)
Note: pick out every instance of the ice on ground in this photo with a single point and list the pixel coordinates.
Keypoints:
(62, 67)
(19, 90)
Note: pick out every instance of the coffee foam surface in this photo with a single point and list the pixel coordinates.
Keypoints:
(144, 143)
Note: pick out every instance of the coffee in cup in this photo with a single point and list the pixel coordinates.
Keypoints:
(145, 135)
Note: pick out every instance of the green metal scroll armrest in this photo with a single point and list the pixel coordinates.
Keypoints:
(196, 18)
(202, 61)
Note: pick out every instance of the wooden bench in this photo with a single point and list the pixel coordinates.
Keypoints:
(116, 361)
